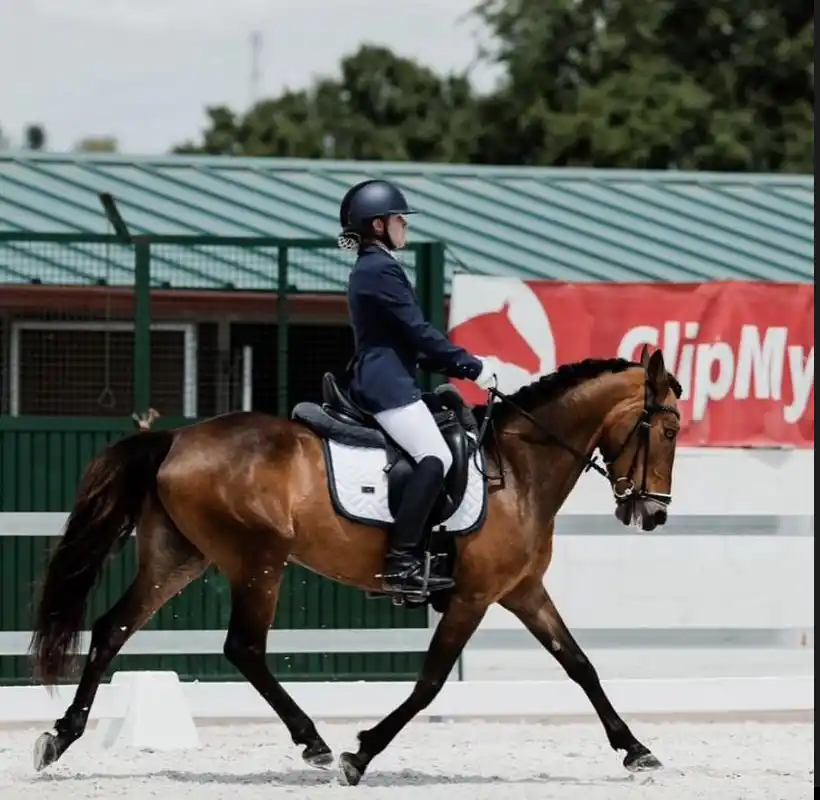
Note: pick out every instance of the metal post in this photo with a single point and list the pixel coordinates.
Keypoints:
(282, 334)
(435, 294)
(114, 217)
(247, 378)
(421, 284)
(223, 394)
(435, 284)
(142, 327)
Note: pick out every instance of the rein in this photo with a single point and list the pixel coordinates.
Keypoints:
(590, 460)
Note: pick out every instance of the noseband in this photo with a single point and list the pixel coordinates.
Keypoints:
(623, 488)
(641, 428)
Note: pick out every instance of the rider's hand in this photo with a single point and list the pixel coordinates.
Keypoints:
(487, 376)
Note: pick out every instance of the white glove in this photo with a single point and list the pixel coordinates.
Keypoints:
(487, 376)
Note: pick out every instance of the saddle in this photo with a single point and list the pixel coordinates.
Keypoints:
(339, 419)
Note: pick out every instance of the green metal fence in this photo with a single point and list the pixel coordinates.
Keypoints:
(117, 324)
(115, 299)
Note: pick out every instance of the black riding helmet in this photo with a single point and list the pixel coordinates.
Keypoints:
(364, 202)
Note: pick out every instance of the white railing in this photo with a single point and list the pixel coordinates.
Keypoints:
(716, 611)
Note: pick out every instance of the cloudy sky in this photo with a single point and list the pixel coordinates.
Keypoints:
(143, 70)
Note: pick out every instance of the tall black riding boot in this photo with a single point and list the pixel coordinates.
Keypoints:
(404, 570)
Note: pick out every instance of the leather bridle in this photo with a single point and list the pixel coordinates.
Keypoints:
(623, 488)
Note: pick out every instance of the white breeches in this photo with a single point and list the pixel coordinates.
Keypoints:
(413, 428)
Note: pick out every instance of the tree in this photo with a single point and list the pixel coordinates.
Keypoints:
(382, 107)
(689, 84)
(651, 84)
(96, 144)
(35, 137)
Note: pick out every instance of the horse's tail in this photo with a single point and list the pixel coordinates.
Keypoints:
(109, 501)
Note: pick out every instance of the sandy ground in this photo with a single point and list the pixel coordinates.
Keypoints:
(451, 761)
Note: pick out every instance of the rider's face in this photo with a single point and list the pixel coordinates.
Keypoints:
(397, 230)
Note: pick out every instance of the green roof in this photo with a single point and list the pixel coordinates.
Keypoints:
(563, 224)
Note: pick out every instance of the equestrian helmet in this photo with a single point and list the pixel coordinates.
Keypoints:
(369, 200)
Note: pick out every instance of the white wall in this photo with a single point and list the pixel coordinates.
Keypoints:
(700, 604)
(680, 582)
(706, 481)
(721, 481)
(726, 587)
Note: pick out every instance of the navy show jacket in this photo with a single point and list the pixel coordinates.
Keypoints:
(392, 338)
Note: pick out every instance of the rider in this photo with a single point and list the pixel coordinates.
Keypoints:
(391, 337)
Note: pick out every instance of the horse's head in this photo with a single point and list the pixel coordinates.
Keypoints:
(638, 444)
(628, 411)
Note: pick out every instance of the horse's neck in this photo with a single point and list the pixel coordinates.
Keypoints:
(577, 419)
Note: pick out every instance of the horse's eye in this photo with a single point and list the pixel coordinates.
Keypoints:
(670, 433)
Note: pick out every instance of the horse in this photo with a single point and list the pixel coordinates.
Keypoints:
(248, 492)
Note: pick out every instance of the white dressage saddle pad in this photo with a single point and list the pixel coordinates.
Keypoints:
(358, 486)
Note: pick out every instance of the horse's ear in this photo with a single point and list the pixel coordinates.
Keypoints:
(656, 375)
(644, 359)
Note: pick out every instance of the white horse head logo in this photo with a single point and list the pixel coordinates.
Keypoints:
(478, 295)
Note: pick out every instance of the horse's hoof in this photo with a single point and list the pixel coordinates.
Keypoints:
(45, 751)
(642, 761)
(318, 756)
(352, 769)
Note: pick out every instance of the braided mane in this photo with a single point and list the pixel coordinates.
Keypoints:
(549, 387)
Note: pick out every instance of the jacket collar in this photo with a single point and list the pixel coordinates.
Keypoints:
(373, 247)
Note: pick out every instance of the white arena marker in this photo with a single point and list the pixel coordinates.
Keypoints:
(156, 715)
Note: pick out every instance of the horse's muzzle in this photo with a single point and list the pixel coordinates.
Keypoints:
(646, 512)
(653, 513)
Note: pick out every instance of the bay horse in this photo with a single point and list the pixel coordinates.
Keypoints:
(248, 492)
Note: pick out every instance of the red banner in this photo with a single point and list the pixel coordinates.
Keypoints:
(743, 352)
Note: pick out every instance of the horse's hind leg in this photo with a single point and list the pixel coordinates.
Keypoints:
(454, 630)
(253, 606)
(167, 563)
(534, 607)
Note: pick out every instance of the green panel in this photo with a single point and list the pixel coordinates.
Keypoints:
(42, 459)
(307, 602)
(41, 462)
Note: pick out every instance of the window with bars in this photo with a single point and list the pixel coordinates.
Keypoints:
(86, 369)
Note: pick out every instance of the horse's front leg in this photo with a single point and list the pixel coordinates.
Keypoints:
(534, 607)
(452, 633)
